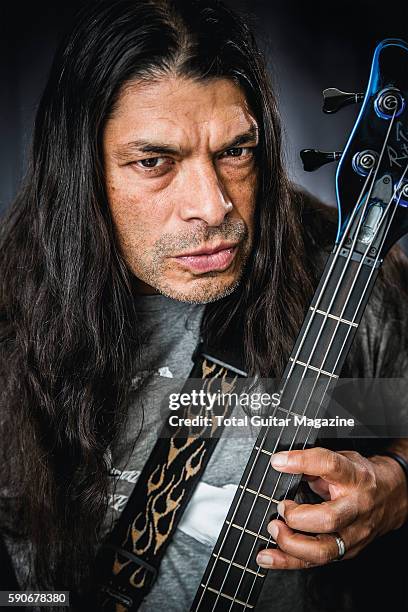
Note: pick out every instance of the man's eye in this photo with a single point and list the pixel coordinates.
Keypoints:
(237, 152)
(151, 162)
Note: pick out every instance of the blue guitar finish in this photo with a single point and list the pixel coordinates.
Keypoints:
(389, 74)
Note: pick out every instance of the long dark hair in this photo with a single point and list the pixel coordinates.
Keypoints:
(69, 332)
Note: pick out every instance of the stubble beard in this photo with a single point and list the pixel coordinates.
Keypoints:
(208, 287)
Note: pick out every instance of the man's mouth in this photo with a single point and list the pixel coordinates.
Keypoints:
(208, 259)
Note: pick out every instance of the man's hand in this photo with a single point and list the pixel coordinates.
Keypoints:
(364, 498)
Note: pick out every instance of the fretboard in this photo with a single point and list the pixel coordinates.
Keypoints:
(233, 580)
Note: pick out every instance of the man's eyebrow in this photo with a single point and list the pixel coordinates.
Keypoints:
(248, 137)
(145, 146)
(161, 148)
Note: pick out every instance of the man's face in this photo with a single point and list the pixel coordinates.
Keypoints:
(181, 182)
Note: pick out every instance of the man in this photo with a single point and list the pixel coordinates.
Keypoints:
(157, 186)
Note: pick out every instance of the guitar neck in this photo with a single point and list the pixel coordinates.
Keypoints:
(233, 580)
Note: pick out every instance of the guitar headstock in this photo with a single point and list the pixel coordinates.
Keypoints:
(372, 176)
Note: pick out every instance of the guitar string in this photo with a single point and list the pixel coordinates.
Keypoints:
(290, 410)
(291, 368)
(256, 496)
(351, 220)
(335, 259)
(345, 339)
(344, 342)
(368, 280)
(317, 412)
(262, 441)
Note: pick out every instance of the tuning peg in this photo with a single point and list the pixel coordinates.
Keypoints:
(312, 159)
(334, 99)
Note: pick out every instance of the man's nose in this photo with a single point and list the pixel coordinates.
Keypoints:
(205, 197)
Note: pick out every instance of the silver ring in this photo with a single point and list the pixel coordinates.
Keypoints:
(340, 545)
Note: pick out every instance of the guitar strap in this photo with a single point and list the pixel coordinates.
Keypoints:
(127, 564)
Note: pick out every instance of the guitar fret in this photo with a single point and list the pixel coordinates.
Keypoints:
(290, 413)
(332, 316)
(258, 494)
(246, 569)
(263, 450)
(252, 533)
(238, 601)
(310, 367)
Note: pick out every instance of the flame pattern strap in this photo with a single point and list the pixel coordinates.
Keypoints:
(127, 563)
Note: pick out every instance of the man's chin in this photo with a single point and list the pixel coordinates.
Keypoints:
(199, 292)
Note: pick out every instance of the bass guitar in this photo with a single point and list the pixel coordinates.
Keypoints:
(372, 199)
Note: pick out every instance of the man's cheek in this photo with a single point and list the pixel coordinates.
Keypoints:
(133, 243)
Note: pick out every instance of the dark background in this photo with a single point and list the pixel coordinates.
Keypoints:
(309, 45)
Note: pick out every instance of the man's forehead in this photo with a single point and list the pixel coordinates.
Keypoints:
(178, 109)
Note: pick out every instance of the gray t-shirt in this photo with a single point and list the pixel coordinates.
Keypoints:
(172, 332)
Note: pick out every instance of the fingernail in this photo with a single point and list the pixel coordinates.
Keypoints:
(280, 459)
(281, 508)
(264, 559)
(273, 530)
